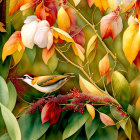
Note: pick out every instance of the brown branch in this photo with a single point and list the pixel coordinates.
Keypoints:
(3, 11)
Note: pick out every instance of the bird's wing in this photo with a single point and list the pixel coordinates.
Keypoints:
(49, 80)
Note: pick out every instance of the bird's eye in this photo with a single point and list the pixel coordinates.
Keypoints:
(25, 76)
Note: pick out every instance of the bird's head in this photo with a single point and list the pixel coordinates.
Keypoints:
(27, 78)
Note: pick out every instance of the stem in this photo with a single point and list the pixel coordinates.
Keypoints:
(80, 68)
(92, 26)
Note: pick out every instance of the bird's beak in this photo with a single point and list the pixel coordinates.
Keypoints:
(20, 78)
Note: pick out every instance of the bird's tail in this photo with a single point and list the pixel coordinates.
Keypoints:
(70, 74)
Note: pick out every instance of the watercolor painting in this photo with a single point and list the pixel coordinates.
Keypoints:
(69, 69)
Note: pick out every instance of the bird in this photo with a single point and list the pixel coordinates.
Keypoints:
(46, 84)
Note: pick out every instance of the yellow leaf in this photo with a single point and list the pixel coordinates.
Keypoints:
(65, 23)
(87, 87)
(58, 33)
(113, 4)
(91, 110)
(104, 65)
(92, 43)
(131, 42)
(101, 4)
(77, 50)
(129, 4)
(1, 27)
(76, 2)
(17, 56)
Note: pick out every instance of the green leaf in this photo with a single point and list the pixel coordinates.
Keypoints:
(31, 53)
(4, 94)
(116, 114)
(4, 67)
(127, 127)
(121, 89)
(92, 125)
(139, 124)
(5, 137)
(53, 62)
(12, 96)
(11, 123)
(31, 126)
(107, 133)
(75, 122)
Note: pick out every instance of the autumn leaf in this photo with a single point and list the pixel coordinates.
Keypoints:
(79, 51)
(78, 35)
(65, 23)
(1, 27)
(137, 61)
(90, 3)
(51, 112)
(87, 87)
(15, 5)
(131, 42)
(91, 110)
(111, 25)
(109, 76)
(76, 2)
(73, 18)
(124, 5)
(106, 119)
(13, 46)
(58, 33)
(104, 65)
(91, 48)
(137, 10)
(47, 54)
(46, 12)
(101, 4)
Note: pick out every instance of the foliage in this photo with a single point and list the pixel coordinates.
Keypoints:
(83, 57)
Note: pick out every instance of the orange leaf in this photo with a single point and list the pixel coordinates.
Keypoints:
(15, 5)
(101, 4)
(1, 27)
(137, 106)
(109, 76)
(65, 23)
(131, 42)
(106, 119)
(47, 54)
(13, 45)
(91, 110)
(104, 65)
(46, 12)
(90, 3)
(111, 25)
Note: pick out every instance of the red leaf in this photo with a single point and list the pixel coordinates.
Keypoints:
(137, 9)
(106, 119)
(111, 25)
(48, 12)
(78, 36)
(137, 61)
(90, 3)
(73, 18)
(51, 111)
